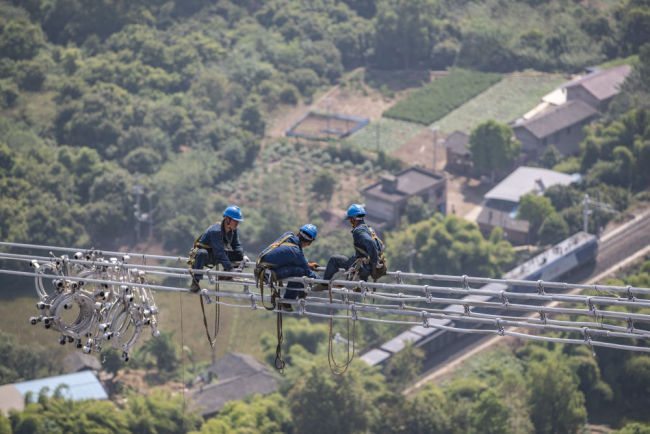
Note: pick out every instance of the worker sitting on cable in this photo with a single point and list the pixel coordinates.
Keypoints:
(368, 256)
(286, 259)
(219, 244)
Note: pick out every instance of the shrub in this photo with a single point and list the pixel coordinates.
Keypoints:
(30, 75)
(8, 93)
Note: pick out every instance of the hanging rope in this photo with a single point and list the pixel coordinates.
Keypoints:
(261, 276)
(279, 362)
(217, 311)
(335, 367)
(180, 303)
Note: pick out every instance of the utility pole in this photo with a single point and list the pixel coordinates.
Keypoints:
(434, 129)
(412, 252)
(585, 215)
(600, 206)
(141, 217)
(329, 103)
(377, 135)
(138, 191)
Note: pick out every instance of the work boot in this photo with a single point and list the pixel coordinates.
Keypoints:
(195, 287)
(320, 287)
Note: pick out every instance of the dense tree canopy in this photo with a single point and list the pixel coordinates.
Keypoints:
(447, 246)
(493, 147)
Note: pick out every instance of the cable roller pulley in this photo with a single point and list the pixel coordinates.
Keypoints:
(107, 314)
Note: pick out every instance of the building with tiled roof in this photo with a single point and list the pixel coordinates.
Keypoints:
(238, 375)
(385, 201)
(501, 202)
(559, 126)
(458, 156)
(78, 361)
(598, 88)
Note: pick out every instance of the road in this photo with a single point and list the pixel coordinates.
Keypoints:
(618, 248)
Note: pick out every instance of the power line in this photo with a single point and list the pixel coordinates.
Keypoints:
(424, 316)
(87, 275)
(398, 275)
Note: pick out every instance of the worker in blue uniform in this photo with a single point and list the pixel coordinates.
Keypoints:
(219, 244)
(285, 257)
(365, 248)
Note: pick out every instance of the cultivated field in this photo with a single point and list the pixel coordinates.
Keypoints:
(504, 102)
(385, 134)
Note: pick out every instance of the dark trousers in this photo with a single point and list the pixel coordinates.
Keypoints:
(206, 257)
(335, 262)
(292, 294)
(339, 261)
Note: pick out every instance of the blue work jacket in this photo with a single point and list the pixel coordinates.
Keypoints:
(221, 242)
(364, 245)
(287, 259)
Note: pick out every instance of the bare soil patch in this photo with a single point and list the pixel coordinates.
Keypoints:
(419, 151)
(324, 126)
(463, 193)
(359, 99)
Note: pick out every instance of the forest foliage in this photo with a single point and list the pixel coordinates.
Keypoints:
(94, 93)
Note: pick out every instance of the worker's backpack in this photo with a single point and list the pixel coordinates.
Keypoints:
(379, 269)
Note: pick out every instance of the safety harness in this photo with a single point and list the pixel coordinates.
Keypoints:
(199, 245)
(379, 269)
(264, 274)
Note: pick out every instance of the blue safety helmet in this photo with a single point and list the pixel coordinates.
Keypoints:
(356, 210)
(234, 213)
(309, 232)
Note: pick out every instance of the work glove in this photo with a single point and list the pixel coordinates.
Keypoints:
(313, 266)
(242, 264)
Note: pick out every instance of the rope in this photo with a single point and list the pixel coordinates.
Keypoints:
(335, 367)
(260, 277)
(180, 304)
(279, 361)
(212, 340)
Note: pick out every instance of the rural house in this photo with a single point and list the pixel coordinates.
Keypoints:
(238, 375)
(385, 200)
(559, 126)
(76, 387)
(458, 156)
(76, 362)
(598, 88)
(501, 204)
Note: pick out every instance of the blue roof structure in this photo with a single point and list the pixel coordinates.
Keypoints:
(80, 385)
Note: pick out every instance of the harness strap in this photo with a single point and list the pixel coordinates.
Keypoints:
(374, 236)
(274, 246)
